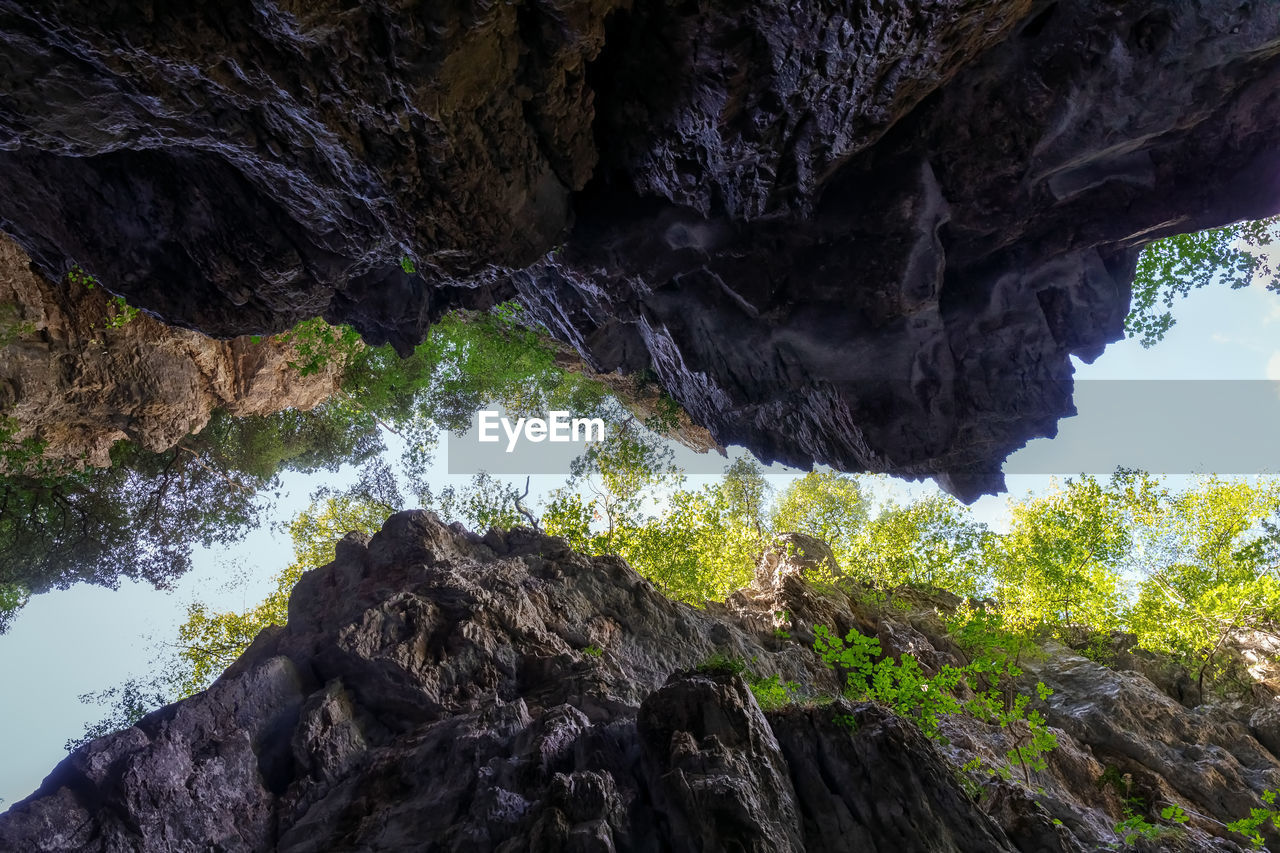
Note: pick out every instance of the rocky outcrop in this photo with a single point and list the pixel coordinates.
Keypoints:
(72, 380)
(438, 690)
(863, 234)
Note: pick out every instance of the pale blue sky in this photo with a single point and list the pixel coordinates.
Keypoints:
(87, 638)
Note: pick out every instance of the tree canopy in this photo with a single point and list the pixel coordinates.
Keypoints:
(141, 517)
(1170, 268)
(1184, 572)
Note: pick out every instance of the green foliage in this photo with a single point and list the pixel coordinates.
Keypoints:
(692, 550)
(849, 721)
(130, 702)
(995, 653)
(926, 699)
(407, 264)
(1134, 827)
(468, 362)
(23, 456)
(1251, 826)
(484, 503)
(1209, 569)
(824, 504)
(747, 495)
(1174, 266)
(121, 312)
(12, 599)
(140, 518)
(1184, 571)
(593, 651)
(568, 516)
(701, 546)
(12, 326)
(723, 664)
(622, 471)
(209, 642)
(78, 276)
(929, 543)
(770, 693)
(1099, 647)
(900, 685)
(1058, 566)
(318, 345)
(260, 447)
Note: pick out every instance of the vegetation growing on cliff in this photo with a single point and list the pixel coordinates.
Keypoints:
(1169, 269)
(140, 519)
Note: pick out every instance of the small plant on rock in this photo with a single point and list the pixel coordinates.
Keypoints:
(771, 693)
(318, 345)
(925, 699)
(1134, 827)
(1251, 826)
(12, 326)
(122, 312)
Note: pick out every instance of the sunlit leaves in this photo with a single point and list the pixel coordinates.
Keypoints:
(142, 517)
(484, 503)
(1174, 266)
(129, 702)
(209, 642)
(1209, 569)
(1058, 564)
(824, 504)
(624, 471)
(930, 542)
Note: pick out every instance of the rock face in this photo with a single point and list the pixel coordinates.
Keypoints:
(867, 234)
(77, 384)
(437, 690)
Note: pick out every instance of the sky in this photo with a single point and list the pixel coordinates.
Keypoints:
(87, 639)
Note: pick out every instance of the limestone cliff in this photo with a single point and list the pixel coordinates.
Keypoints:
(70, 379)
(435, 690)
(867, 234)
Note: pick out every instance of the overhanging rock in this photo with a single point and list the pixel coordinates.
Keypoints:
(869, 235)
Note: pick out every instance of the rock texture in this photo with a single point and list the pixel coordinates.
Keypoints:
(437, 690)
(77, 384)
(866, 234)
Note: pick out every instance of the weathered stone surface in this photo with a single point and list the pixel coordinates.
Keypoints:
(436, 690)
(871, 781)
(68, 380)
(869, 235)
(1203, 758)
(432, 691)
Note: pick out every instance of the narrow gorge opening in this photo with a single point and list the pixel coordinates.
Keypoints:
(601, 442)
